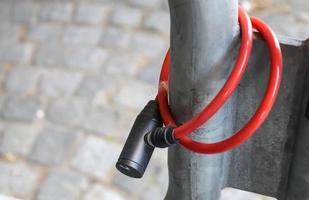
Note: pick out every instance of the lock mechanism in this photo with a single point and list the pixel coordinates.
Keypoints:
(146, 134)
(148, 131)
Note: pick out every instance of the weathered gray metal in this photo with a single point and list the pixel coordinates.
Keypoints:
(298, 185)
(204, 46)
(262, 164)
(203, 36)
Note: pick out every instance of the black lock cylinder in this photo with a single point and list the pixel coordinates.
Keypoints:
(136, 153)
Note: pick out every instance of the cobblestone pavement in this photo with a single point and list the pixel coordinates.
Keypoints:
(73, 75)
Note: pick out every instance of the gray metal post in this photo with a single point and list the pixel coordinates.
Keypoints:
(203, 35)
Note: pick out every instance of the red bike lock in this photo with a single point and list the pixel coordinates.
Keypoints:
(148, 133)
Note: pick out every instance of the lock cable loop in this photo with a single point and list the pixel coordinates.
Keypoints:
(181, 132)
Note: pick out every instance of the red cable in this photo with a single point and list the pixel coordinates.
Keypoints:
(181, 132)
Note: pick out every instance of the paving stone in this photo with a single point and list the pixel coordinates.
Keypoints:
(124, 183)
(115, 38)
(299, 5)
(20, 108)
(88, 58)
(96, 157)
(158, 21)
(92, 13)
(62, 185)
(100, 120)
(155, 179)
(53, 145)
(17, 139)
(67, 112)
(5, 197)
(45, 33)
(5, 11)
(2, 124)
(103, 99)
(17, 179)
(82, 57)
(275, 21)
(9, 33)
(16, 53)
(151, 73)
(91, 86)
(149, 45)
(50, 54)
(150, 3)
(231, 193)
(3, 72)
(127, 16)
(99, 192)
(142, 91)
(25, 12)
(59, 83)
(104, 1)
(152, 193)
(82, 35)
(124, 64)
(22, 80)
(2, 98)
(56, 11)
(164, 6)
(125, 123)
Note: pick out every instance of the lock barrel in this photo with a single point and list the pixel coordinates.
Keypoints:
(136, 153)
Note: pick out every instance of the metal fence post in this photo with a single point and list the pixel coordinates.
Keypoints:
(204, 33)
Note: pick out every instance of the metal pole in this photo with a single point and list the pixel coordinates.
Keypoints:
(204, 38)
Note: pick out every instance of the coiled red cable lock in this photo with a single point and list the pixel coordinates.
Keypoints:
(148, 133)
(181, 132)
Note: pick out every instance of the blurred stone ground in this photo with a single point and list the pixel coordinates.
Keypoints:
(73, 76)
